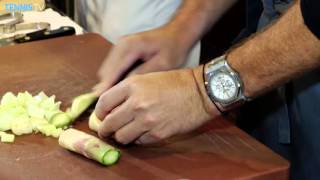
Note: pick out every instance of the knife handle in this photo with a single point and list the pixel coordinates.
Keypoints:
(46, 34)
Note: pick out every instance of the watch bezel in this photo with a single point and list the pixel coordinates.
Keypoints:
(233, 76)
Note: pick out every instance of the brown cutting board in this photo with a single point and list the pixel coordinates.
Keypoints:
(67, 67)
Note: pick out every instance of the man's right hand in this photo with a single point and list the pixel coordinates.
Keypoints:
(160, 50)
(165, 48)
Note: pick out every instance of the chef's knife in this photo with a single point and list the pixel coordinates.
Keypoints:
(38, 35)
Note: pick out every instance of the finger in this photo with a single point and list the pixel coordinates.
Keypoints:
(121, 58)
(111, 99)
(146, 138)
(118, 118)
(153, 136)
(130, 132)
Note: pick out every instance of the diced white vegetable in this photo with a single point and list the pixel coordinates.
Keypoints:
(35, 111)
(24, 114)
(47, 129)
(5, 121)
(9, 99)
(6, 138)
(21, 126)
(56, 133)
(36, 122)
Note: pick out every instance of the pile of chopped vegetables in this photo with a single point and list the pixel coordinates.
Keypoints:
(24, 114)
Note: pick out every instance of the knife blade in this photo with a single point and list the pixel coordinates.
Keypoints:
(38, 35)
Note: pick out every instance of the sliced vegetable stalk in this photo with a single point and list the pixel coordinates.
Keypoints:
(94, 122)
(61, 120)
(78, 106)
(89, 146)
(81, 104)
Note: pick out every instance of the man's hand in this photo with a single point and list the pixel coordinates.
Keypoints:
(149, 108)
(159, 50)
(165, 48)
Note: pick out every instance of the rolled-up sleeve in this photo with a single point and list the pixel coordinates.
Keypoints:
(311, 14)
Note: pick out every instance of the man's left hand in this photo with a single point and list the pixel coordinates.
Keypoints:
(152, 107)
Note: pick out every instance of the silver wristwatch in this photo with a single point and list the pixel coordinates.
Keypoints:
(224, 85)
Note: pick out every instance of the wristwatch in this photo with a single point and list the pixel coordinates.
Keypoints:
(223, 84)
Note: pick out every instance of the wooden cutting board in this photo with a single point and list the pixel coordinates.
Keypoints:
(67, 67)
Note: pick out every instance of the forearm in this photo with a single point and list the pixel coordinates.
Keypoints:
(277, 55)
(195, 17)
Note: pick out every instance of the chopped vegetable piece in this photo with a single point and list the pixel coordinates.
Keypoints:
(61, 120)
(94, 122)
(9, 99)
(35, 111)
(89, 146)
(80, 104)
(6, 138)
(5, 121)
(47, 129)
(50, 114)
(57, 132)
(36, 122)
(21, 126)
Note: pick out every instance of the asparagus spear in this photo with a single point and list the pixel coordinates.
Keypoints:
(89, 146)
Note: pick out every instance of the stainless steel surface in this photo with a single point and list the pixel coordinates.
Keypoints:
(8, 20)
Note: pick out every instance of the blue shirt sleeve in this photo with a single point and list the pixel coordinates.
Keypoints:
(311, 14)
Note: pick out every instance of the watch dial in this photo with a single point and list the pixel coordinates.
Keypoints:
(223, 87)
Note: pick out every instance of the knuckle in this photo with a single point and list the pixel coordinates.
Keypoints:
(140, 105)
(149, 120)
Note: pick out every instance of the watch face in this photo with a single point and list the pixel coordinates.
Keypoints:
(223, 87)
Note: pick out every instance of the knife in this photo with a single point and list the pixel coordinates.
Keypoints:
(38, 35)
